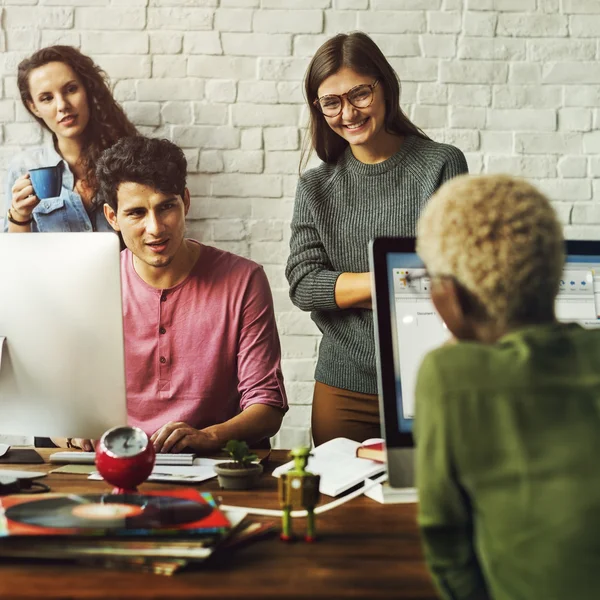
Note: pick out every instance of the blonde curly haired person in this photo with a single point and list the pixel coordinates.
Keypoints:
(507, 419)
(499, 240)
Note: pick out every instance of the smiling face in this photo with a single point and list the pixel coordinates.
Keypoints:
(152, 224)
(59, 99)
(358, 126)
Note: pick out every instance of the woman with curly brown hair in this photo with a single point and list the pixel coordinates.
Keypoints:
(69, 96)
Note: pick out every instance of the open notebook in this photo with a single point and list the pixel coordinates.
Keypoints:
(337, 464)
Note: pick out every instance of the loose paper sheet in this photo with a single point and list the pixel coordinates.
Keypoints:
(75, 469)
(201, 471)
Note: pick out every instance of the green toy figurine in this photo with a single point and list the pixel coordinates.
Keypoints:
(299, 489)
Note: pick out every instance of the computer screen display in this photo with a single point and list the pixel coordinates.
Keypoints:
(62, 361)
(579, 294)
(415, 328)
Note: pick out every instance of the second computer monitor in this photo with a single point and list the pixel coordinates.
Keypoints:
(408, 325)
(62, 363)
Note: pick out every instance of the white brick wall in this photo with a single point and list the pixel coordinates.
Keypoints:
(514, 83)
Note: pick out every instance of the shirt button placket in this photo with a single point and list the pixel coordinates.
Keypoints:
(163, 342)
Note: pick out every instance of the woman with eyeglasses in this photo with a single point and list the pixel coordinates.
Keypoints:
(378, 171)
(68, 95)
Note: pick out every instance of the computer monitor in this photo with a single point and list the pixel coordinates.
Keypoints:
(579, 294)
(407, 326)
(62, 363)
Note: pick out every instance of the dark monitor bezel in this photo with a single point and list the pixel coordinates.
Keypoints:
(384, 345)
(582, 247)
(379, 249)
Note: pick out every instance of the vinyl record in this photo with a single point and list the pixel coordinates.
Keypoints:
(109, 511)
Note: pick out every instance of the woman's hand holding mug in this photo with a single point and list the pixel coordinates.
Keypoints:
(24, 199)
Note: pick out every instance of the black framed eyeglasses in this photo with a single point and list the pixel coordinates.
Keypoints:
(360, 96)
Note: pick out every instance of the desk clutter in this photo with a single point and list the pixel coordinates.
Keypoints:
(160, 532)
(164, 532)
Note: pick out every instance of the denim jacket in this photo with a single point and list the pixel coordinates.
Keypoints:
(63, 213)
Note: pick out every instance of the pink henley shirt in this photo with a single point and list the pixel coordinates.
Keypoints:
(204, 350)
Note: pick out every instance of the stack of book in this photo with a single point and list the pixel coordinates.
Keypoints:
(373, 450)
(161, 532)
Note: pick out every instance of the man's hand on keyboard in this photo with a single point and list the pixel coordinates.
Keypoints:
(176, 436)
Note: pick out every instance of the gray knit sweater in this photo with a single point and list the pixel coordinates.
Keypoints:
(338, 209)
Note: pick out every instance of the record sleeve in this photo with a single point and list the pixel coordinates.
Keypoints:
(171, 512)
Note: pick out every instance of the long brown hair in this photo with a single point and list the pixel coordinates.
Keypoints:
(360, 53)
(107, 123)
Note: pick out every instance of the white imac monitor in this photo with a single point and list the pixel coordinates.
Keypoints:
(407, 327)
(62, 370)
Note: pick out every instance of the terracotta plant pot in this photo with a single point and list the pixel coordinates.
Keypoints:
(232, 476)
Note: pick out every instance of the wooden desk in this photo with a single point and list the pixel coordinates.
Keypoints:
(366, 550)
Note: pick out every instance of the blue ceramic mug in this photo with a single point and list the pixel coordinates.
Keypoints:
(46, 181)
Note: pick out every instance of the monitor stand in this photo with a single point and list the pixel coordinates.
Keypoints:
(401, 467)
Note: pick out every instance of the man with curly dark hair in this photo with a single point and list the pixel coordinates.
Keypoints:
(202, 352)
(508, 418)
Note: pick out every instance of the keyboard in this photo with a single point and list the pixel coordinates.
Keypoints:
(88, 458)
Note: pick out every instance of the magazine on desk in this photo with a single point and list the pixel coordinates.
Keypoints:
(182, 512)
(158, 532)
(159, 555)
(339, 467)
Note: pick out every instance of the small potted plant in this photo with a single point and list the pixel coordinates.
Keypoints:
(240, 473)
